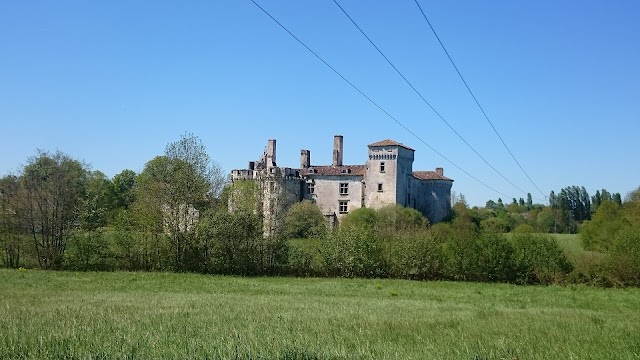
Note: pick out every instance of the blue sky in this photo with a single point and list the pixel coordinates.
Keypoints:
(113, 82)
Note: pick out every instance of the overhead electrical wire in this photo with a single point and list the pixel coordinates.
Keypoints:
(372, 101)
(476, 99)
(423, 98)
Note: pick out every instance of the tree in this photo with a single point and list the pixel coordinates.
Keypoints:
(395, 218)
(529, 200)
(123, 189)
(305, 220)
(54, 189)
(11, 228)
(633, 196)
(180, 185)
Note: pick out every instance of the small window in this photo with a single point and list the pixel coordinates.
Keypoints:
(344, 188)
(382, 167)
(380, 187)
(343, 206)
(311, 188)
(272, 186)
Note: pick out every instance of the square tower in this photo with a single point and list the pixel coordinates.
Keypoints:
(388, 174)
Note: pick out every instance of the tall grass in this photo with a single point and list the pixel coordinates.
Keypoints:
(56, 315)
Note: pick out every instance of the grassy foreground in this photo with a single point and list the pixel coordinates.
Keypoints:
(66, 315)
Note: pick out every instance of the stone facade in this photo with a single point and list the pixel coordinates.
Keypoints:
(386, 178)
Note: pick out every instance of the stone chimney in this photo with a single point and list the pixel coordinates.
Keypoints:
(271, 153)
(440, 171)
(337, 150)
(252, 165)
(305, 159)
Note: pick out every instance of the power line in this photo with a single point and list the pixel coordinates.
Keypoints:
(475, 99)
(423, 98)
(372, 101)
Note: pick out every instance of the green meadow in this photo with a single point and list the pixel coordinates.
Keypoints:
(67, 315)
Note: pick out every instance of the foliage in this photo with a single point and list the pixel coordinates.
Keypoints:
(396, 218)
(360, 219)
(414, 255)
(88, 251)
(229, 242)
(352, 252)
(624, 260)
(54, 192)
(539, 259)
(304, 220)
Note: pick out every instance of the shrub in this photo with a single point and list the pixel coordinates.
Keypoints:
(362, 218)
(304, 220)
(524, 229)
(624, 260)
(414, 256)
(88, 251)
(352, 252)
(493, 259)
(539, 259)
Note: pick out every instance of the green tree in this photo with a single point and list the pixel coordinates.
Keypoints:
(55, 188)
(11, 227)
(529, 201)
(180, 185)
(305, 220)
(123, 189)
(396, 218)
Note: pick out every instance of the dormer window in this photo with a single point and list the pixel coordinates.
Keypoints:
(382, 167)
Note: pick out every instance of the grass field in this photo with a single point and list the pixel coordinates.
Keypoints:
(64, 315)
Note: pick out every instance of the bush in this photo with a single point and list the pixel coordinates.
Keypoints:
(524, 229)
(624, 259)
(88, 251)
(494, 259)
(363, 218)
(304, 220)
(352, 252)
(414, 255)
(539, 259)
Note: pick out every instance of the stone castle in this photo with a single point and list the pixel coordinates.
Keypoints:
(386, 178)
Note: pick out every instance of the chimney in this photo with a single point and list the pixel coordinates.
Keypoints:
(271, 153)
(337, 150)
(440, 171)
(305, 159)
(252, 165)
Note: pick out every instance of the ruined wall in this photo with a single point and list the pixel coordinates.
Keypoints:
(327, 193)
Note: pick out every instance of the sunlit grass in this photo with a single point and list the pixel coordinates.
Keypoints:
(55, 315)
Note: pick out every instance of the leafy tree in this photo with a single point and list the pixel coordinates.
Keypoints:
(362, 218)
(54, 189)
(394, 218)
(11, 227)
(123, 189)
(305, 220)
(178, 186)
(229, 242)
(491, 205)
(98, 203)
(529, 200)
(633, 196)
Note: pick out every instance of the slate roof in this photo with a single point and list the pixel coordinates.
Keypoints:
(345, 170)
(429, 175)
(389, 142)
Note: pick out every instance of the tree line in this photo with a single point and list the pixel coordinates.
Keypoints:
(57, 213)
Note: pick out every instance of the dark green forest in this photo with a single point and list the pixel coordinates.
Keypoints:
(57, 213)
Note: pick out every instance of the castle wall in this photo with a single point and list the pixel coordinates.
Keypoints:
(432, 198)
(327, 193)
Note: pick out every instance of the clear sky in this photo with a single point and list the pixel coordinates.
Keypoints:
(113, 82)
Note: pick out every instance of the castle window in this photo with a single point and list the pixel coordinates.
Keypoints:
(382, 167)
(311, 188)
(344, 188)
(380, 187)
(343, 206)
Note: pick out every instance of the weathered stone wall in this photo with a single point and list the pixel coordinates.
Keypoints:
(327, 193)
(432, 198)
